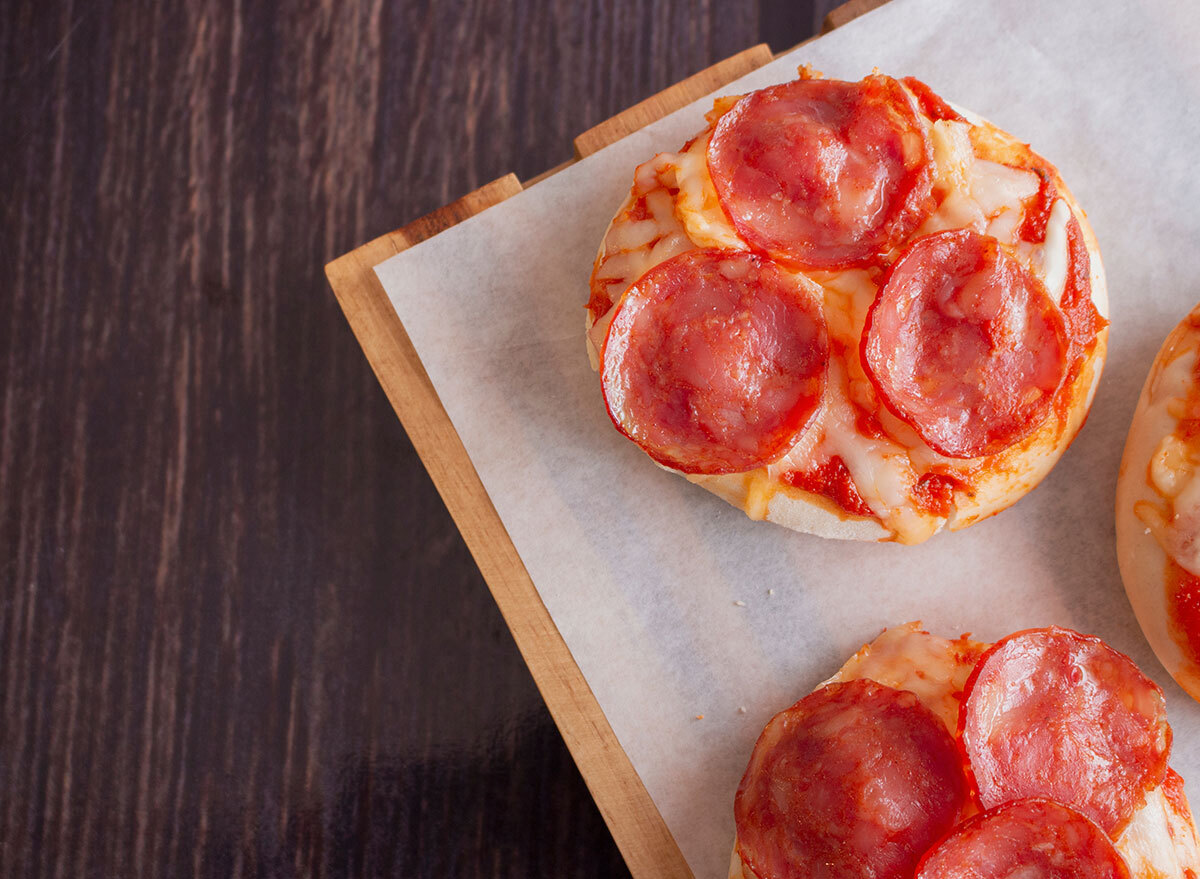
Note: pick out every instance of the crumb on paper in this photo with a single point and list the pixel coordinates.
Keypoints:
(739, 604)
(699, 717)
(770, 592)
(741, 709)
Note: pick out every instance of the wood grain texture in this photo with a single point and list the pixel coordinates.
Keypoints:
(639, 831)
(239, 633)
(669, 100)
(637, 827)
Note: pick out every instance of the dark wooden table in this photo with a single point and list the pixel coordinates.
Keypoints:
(240, 635)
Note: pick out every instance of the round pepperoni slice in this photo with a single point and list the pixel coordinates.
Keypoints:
(856, 779)
(1028, 839)
(1052, 713)
(821, 173)
(715, 361)
(965, 344)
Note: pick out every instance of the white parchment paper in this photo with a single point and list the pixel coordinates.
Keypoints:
(641, 570)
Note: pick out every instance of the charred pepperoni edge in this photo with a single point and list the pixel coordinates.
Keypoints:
(969, 686)
(831, 480)
(973, 822)
(916, 205)
(667, 462)
(1066, 381)
(930, 102)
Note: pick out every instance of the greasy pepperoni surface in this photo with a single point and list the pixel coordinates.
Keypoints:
(1052, 713)
(823, 174)
(854, 780)
(965, 344)
(1028, 839)
(715, 361)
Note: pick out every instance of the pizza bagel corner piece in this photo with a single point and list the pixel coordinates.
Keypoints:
(861, 467)
(1157, 841)
(1157, 517)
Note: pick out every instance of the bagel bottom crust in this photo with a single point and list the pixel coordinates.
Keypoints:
(1143, 562)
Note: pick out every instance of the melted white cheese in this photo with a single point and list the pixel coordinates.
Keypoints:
(697, 205)
(907, 658)
(996, 188)
(1055, 253)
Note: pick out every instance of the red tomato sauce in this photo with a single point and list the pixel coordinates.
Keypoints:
(1083, 320)
(931, 102)
(1037, 209)
(1183, 610)
(831, 480)
(934, 493)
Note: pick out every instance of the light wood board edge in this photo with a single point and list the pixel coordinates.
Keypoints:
(632, 817)
(847, 12)
(634, 821)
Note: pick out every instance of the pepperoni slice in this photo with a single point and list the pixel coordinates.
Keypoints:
(1028, 839)
(965, 344)
(715, 361)
(1052, 713)
(856, 779)
(821, 173)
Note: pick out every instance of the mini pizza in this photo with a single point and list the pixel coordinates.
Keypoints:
(1158, 506)
(851, 309)
(1042, 756)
